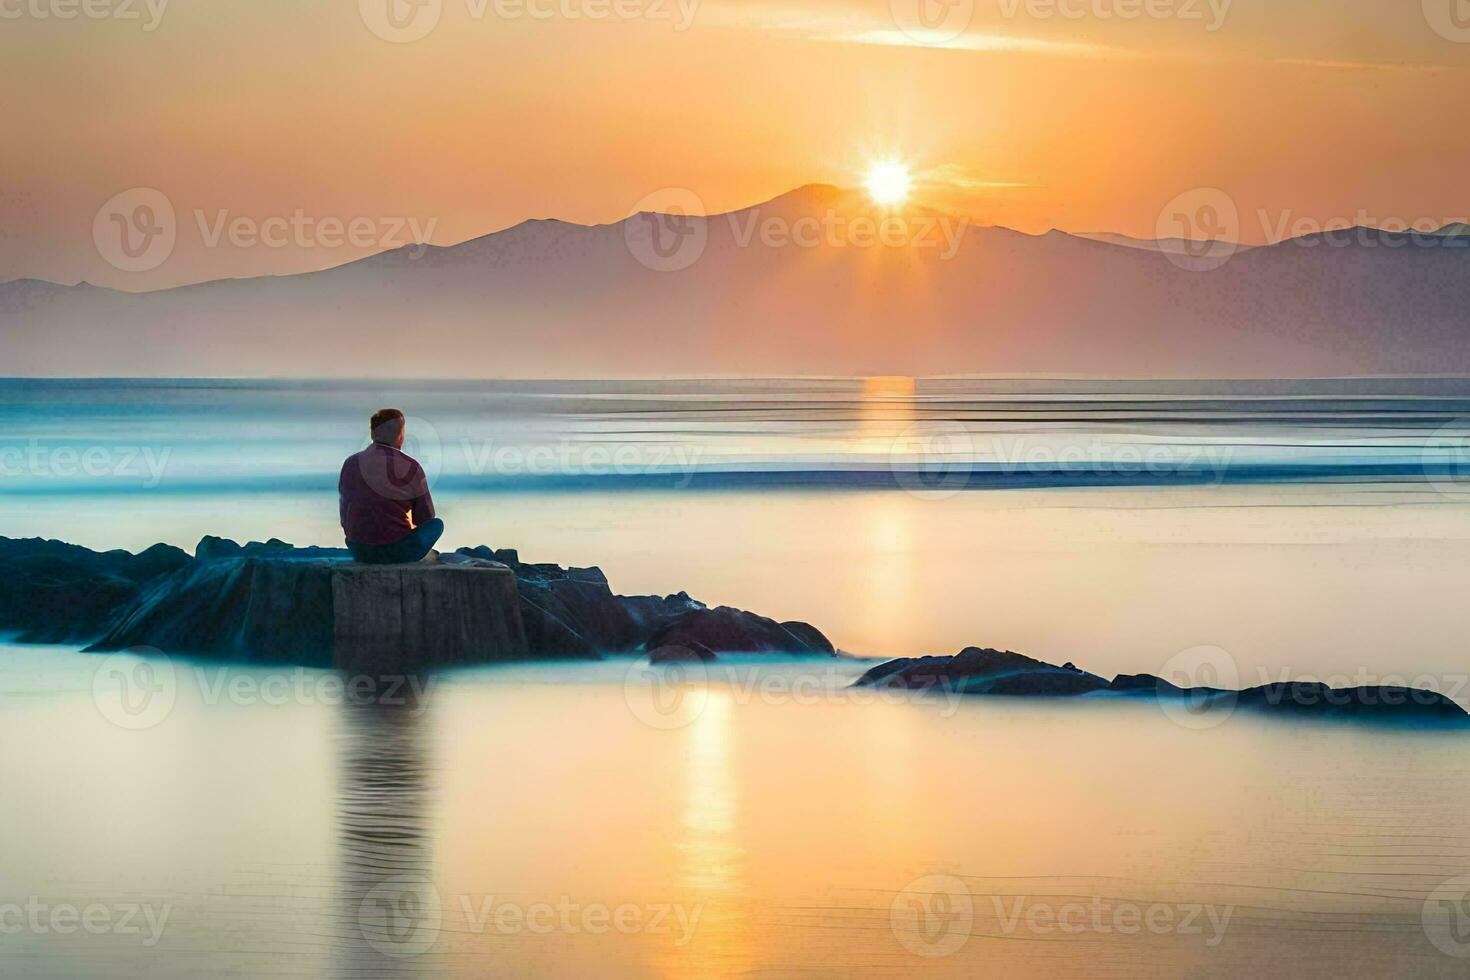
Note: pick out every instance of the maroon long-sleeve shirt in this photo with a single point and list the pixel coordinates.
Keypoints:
(382, 495)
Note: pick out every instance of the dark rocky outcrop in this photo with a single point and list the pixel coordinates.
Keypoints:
(727, 630)
(1375, 703)
(572, 612)
(976, 670)
(321, 612)
(271, 601)
(55, 592)
(808, 634)
(985, 671)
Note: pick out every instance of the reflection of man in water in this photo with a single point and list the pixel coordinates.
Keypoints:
(383, 496)
(389, 914)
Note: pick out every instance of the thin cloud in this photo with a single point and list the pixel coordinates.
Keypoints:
(850, 26)
(861, 27)
(1330, 65)
(986, 42)
(960, 178)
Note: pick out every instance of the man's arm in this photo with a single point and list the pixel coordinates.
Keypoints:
(342, 494)
(423, 505)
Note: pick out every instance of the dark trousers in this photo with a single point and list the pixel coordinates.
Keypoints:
(412, 548)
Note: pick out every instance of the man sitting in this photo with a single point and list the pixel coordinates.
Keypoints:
(383, 496)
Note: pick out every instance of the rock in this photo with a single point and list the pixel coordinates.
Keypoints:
(328, 612)
(695, 652)
(268, 600)
(1147, 683)
(210, 547)
(445, 615)
(728, 630)
(977, 670)
(809, 635)
(985, 671)
(1376, 703)
(551, 629)
(572, 612)
(62, 593)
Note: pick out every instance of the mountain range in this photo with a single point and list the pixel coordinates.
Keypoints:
(816, 281)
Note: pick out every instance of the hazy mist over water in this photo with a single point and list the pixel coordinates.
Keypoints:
(1304, 526)
(177, 436)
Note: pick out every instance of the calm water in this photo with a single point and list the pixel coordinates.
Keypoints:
(575, 820)
(778, 829)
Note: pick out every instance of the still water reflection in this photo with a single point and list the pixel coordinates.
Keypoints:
(389, 910)
(529, 821)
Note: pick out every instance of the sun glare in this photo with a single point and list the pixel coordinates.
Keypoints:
(888, 182)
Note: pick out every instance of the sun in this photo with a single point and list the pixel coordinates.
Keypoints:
(888, 182)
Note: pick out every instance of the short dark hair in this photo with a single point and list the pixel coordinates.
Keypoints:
(386, 423)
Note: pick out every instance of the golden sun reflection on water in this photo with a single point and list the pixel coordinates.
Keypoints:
(709, 862)
(885, 411)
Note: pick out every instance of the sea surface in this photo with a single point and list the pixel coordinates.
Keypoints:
(165, 818)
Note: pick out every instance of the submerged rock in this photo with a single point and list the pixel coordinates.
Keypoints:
(985, 671)
(675, 653)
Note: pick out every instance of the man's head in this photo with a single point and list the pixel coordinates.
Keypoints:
(387, 427)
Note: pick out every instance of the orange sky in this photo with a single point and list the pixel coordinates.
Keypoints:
(1080, 114)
